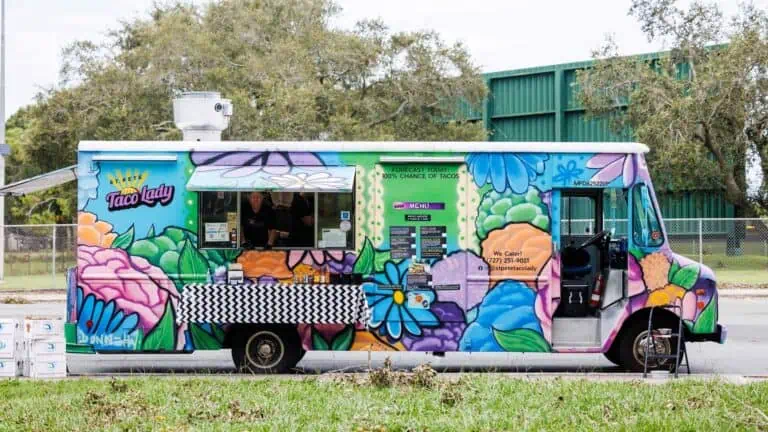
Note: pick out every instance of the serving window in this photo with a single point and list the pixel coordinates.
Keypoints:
(277, 219)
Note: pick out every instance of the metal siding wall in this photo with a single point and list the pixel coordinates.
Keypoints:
(529, 128)
(522, 95)
(540, 104)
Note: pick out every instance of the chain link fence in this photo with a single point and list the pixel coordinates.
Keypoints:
(37, 256)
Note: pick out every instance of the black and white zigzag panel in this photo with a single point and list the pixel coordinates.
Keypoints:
(273, 304)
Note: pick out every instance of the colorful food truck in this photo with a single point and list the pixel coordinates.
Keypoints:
(273, 249)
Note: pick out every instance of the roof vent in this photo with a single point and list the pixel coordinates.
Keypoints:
(201, 116)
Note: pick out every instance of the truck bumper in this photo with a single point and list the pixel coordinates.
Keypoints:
(719, 336)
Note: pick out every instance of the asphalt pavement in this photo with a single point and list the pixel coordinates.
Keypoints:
(745, 353)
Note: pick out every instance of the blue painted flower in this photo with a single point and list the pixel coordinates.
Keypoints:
(394, 307)
(508, 306)
(87, 181)
(512, 170)
(567, 173)
(104, 326)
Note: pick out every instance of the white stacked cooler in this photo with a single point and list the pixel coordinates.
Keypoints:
(10, 348)
(44, 348)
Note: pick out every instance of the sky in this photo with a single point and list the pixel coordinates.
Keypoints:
(500, 34)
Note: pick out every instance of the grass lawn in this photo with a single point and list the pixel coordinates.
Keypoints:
(34, 282)
(478, 402)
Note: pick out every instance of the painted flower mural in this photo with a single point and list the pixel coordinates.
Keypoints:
(465, 269)
(567, 173)
(611, 166)
(244, 164)
(506, 170)
(395, 308)
(321, 180)
(257, 264)
(506, 321)
(446, 336)
(135, 285)
(336, 261)
(499, 209)
(104, 326)
(532, 250)
(87, 181)
(93, 232)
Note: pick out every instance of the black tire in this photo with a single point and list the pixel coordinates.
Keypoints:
(613, 353)
(266, 350)
(631, 347)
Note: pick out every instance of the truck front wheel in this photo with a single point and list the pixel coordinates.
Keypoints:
(635, 340)
(266, 350)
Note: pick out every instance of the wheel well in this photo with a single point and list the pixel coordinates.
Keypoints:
(660, 315)
(234, 329)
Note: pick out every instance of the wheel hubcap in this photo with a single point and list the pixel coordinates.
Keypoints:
(264, 349)
(663, 346)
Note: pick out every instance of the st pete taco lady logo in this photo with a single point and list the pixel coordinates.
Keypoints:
(132, 192)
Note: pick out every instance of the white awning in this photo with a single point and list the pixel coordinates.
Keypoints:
(41, 182)
(273, 178)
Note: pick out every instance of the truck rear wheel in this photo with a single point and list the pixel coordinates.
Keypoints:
(266, 350)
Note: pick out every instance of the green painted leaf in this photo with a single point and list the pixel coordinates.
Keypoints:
(230, 255)
(163, 336)
(637, 253)
(343, 340)
(202, 339)
(124, 240)
(218, 333)
(193, 266)
(364, 263)
(708, 318)
(674, 268)
(318, 342)
(521, 340)
(687, 276)
(151, 232)
(379, 260)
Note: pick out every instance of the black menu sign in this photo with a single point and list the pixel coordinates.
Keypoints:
(432, 240)
(402, 241)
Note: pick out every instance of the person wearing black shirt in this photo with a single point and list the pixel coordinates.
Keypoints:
(303, 221)
(259, 222)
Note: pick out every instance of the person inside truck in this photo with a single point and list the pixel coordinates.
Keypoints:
(258, 221)
(303, 221)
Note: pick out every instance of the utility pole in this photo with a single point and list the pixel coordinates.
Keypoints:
(4, 149)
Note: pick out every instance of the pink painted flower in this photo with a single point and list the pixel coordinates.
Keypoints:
(635, 277)
(313, 257)
(132, 282)
(612, 166)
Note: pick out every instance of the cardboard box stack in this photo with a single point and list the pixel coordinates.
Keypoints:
(44, 348)
(10, 348)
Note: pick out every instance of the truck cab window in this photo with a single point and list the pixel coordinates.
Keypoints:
(615, 211)
(646, 229)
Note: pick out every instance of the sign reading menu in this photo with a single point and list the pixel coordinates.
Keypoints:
(402, 241)
(432, 241)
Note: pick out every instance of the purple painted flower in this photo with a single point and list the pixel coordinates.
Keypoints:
(466, 270)
(611, 166)
(336, 261)
(248, 163)
(443, 338)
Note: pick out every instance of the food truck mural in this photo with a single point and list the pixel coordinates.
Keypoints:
(453, 250)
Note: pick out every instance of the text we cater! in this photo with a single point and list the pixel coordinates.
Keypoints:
(273, 249)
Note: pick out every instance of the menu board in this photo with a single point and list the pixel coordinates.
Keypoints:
(432, 241)
(402, 241)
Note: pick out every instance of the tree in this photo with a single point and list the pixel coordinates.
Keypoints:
(701, 106)
(290, 74)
